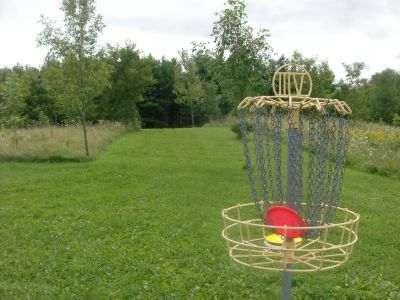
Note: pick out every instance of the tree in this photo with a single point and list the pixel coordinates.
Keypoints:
(353, 73)
(12, 94)
(354, 90)
(40, 107)
(204, 59)
(159, 108)
(82, 74)
(188, 87)
(385, 95)
(241, 55)
(130, 79)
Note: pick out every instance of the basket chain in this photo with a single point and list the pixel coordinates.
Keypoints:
(249, 168)
(328, 140)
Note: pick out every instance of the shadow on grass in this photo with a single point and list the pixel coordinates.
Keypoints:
(49, 159)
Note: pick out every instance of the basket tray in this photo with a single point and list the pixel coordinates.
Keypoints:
(245, 237)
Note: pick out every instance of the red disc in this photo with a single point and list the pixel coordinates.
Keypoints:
(281, 216)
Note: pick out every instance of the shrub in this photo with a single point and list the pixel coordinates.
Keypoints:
(396, 119)
(236, 129)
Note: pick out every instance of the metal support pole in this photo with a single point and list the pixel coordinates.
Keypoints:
(293, 192)
(294, 180)
(287, 284)
(287, 275)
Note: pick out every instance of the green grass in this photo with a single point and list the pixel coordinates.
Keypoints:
(144, 222)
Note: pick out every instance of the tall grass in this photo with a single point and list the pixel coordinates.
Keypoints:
(56, 143)
(373, 147)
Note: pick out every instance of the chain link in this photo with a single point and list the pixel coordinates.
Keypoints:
(328, 140)
(276, 120)
(259, 149)
(249, 167)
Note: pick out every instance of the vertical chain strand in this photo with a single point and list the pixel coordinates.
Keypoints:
(249, 167)
(259, 151)
(277, 153)
(270, 175)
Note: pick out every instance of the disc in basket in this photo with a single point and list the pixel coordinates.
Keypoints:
(281, 216)
(276, 241)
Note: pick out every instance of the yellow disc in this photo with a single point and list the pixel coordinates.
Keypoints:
(276, 239)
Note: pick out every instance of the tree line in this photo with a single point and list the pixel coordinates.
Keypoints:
(80, 82)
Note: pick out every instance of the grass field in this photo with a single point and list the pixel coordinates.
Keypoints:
(144, 222)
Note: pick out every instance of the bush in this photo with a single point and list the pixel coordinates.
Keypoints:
(396, 119)
(236, 129)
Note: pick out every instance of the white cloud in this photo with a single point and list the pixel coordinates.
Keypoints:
(339, 31)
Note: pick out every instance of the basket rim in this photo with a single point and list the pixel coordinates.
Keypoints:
(346, 211)
(250, 243)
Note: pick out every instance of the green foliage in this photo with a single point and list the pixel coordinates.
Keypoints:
(188, 86)
(42, 119)
(396, 119)
(129, 80)
(235, 128)
(159, 108)
(138, 223)
(384, 95)
(353, 73)
(355, 91)
(13, 92)
(240, 55)
(40, 106)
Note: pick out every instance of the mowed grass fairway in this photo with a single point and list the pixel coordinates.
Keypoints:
(144, 222)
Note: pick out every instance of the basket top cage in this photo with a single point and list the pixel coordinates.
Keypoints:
(310, 144)
(292, 87)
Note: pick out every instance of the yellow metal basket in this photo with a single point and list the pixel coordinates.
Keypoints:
(247, 241)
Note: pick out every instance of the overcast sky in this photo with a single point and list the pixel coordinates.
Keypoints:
(336, 30)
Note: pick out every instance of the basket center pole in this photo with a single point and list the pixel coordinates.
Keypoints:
(287, 275)
(293, 190)
(294, 180)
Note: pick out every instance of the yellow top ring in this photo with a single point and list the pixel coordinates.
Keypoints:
(290, 80)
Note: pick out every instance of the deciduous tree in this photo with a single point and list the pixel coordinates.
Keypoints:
(82, 75)
(130, 79)
(188, 86)
(12, 94)
(241, 55)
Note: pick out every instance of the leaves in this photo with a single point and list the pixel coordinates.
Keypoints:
(241, 56)
(130, 78)
(188, 86)
(12, 93)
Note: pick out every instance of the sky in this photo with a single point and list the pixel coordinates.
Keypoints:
(340, 31)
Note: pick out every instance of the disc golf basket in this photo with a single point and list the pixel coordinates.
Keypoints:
(295, 153)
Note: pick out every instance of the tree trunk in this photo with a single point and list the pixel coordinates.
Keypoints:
(191, 112)
(85, 139)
